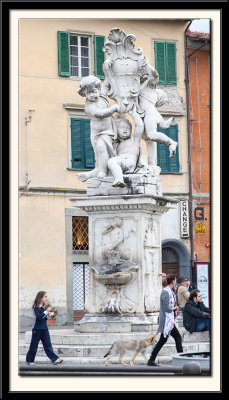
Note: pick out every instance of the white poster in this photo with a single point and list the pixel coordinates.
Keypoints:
(203, 282)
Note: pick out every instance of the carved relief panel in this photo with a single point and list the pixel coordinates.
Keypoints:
(114, 237)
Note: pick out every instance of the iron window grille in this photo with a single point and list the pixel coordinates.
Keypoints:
(80, 241)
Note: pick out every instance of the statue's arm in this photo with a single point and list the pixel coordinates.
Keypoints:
(139, 125)
(105, 112)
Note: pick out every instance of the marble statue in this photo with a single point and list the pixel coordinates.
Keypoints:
(149, 97)
(131, 82)
(102, 124)
(128, 148)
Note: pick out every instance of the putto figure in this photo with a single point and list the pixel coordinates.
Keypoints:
(149, 98)
(102, 125)
(128, 148)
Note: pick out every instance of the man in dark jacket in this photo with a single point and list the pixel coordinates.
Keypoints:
(196, 316)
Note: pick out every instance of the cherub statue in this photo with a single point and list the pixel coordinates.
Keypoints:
(128, 148)
(149, 98)
(102, 125)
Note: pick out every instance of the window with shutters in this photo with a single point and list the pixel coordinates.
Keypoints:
(165, 62)
(166, 163)
(83, 156)
(75, 55)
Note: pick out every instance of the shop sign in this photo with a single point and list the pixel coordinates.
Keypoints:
(184, 218)
(202, 275)
(199, 213)
(200, 229)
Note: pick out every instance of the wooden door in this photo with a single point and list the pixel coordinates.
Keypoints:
(171, 268)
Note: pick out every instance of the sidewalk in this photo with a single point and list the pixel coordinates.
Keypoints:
(81, 349)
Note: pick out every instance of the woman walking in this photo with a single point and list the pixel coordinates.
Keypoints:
(167, 318)
(40, 330)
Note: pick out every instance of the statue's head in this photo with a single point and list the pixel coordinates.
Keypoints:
(90, 87)
(124, 128)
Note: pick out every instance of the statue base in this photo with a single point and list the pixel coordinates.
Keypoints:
(102, 323)
(124, 257)
(134, 184)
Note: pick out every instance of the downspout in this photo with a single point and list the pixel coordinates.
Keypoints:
(28, 119)
(189, 154)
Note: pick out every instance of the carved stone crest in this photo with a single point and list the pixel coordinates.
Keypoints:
(123, 68)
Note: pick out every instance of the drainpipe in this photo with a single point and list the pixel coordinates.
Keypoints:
(28, 119)
(189, 154)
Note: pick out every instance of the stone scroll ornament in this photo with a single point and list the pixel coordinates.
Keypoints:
(130, 81)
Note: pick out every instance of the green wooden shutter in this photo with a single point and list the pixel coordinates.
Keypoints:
(99, 55)
(160, 61)
(171, 63)
(77, 144)
(63, 53)
(166, 163)
(83, 156)
(89, 152)
(162, 157)
(172, 132)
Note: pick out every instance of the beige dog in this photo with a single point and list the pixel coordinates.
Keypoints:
(121, 346)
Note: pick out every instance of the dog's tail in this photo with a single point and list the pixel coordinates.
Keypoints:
(109, 351)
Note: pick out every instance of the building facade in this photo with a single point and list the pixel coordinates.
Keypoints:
(54, 145)
(199, 77)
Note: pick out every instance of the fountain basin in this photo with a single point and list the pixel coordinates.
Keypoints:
(202, 358)
(114, 279)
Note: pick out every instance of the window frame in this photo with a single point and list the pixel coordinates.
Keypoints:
(90, 53)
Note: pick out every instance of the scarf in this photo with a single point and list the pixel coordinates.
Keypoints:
(170, 318)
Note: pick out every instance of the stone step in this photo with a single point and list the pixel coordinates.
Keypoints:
(63, 337)
(67, 337)
(68, 350)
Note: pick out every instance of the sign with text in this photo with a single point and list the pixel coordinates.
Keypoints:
(202, 280)
(184, 218)
(200, 229)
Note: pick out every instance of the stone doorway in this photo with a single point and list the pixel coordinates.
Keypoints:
(176, 258)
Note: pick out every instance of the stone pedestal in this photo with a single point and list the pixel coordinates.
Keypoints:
(134, 184)
(125, 260)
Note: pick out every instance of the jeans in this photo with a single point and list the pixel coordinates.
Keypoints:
(202, 324)
(176, 336)
(43, 335)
